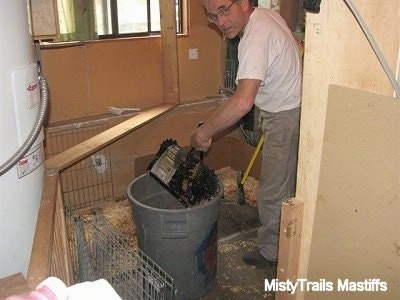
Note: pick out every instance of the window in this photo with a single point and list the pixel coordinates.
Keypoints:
(102, 19)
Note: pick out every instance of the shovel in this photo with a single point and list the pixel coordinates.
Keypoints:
(241, 177)
(183, 174)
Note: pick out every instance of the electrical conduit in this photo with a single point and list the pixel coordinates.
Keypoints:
(10, 163)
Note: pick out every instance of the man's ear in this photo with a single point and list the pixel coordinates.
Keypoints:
(245, 4)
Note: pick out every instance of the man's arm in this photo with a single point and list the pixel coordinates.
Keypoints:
(228, 114)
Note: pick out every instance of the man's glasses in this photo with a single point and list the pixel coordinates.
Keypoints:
(224, 11)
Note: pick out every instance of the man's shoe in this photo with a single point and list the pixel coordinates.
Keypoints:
(255, 258)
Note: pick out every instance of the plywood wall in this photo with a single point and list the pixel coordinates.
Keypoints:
(85, 78)
(337, 52)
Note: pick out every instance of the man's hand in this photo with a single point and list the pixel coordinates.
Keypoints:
(199, 140)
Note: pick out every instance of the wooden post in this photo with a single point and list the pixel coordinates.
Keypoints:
(289, 244)
(41, 256)
(289, 11)
(169, 51)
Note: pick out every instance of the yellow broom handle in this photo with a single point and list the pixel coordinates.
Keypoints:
(253, 158)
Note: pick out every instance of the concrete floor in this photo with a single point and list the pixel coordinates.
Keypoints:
(237, 233)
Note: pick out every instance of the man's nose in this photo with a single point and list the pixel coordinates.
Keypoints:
(221, 20)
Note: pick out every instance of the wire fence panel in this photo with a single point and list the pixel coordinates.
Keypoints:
(230, 76)
(89, 181)
(103, 252)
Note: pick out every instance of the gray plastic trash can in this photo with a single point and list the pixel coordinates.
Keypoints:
(182, 241)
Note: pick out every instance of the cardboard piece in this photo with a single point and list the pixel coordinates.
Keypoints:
(356, 233)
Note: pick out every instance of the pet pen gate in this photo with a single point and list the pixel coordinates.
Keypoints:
(103, 252)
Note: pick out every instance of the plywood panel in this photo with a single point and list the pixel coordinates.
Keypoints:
(357, 226)
(203, 77)
(124, 74)
(66, 73)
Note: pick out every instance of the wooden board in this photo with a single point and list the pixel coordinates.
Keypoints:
(356, 232)
(289, 244)
(41, 256)
(15, 284)
(169, 52)
(50, 252)
(44, 19)
(122, 73)
(74, 154)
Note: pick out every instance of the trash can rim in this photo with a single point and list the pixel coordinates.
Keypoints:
(216, 198)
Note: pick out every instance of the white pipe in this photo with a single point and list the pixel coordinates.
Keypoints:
(375, 47)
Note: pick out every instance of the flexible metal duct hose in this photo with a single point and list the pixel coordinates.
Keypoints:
(4, 168)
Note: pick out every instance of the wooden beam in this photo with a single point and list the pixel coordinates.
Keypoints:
(169, 52)
(289, 10)
(61, 264)
(15, 284)
(41, 256)
(76, 153)
(289, 244)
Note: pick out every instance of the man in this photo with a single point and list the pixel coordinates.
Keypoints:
(269, 76)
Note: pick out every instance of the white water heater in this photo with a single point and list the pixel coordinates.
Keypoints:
(21, 186)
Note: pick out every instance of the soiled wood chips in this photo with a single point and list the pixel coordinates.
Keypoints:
(228, 177)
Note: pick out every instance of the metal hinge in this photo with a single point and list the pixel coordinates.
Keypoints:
(290, 229)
